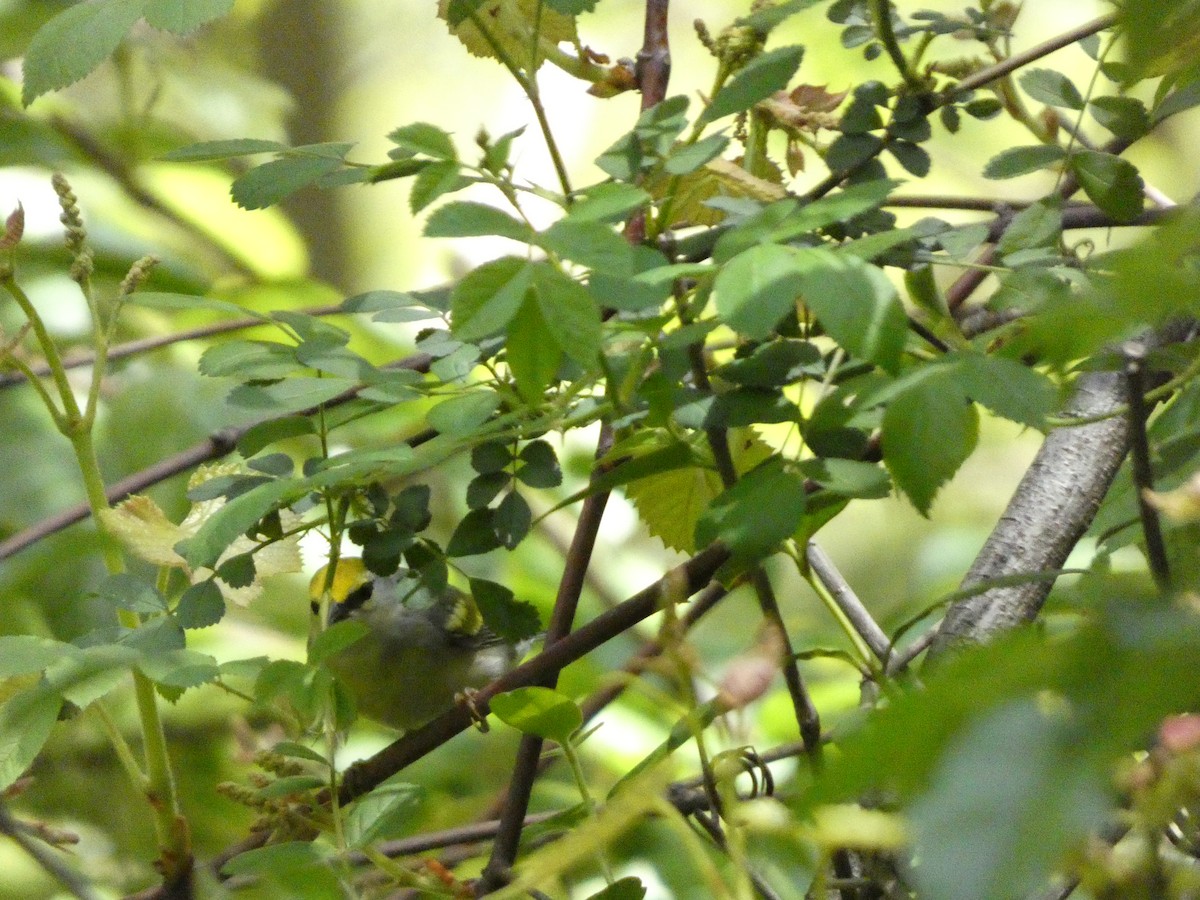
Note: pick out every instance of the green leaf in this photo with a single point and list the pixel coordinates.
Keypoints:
(1006, 387)
(25, 724)
(785, 220)
(421, 137)
(381, 301)
(461, 414)
(1126, 117)
(841, 207)
(235, 518)
(467, 219)
(1023, 160)
(590, 244)
(125, 591)
(539, 711)
(774, 364)
(269, 183)
(183, 16)
(166, 300)
(848, 477)
(912, 157)
(532, 353)
(200, 606)
(1038, 225)
(1161, 36)
(765, 20)
(433, 181)
(291, 394)
(612, 202)
(763, 508)
(757, 288)
(571, 315)
(929, 431)
(265, 859)
(1036, 811)
(474, 534)
(539, 468)
(74, 42)
(175, 671)
(763, 76)
(512, 520)
(692, 156)
(386, 812)
(572, 7)
(485, 301)
(22, 654)
(848, 151)
(237, 571)
(651, 139)
(628, 888)
(262, 435)
(1111, 182)
(334, 359)
(208, 151)
(249, 360)
(335, 639)
(512, 619)
(856, 303)
(1052, 87)
(299, 751)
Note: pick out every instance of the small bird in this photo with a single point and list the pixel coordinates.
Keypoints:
(423, 650)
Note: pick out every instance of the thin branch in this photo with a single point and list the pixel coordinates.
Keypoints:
(67, 877)
(1140, 466)
(525, 769)
(213, 447)
(852, 607)
(1033, 54)
(653, 67)
(972, 82)
(144, 345)
(900, 661)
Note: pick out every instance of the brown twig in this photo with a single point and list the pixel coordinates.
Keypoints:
(972, 82)
(145, 345)
(525, 768)
(1140, 466)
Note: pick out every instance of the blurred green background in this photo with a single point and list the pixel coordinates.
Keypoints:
(305, 71)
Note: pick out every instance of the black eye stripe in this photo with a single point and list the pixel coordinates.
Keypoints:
(358, 596)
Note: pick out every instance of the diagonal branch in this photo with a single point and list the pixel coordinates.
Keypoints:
(1052, 507)
(217, 445)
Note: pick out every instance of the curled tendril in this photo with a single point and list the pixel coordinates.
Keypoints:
(748, 761)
